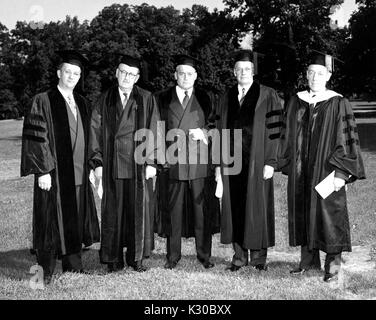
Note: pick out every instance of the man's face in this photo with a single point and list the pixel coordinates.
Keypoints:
(127, 76)
(185, 76)
(317, 76)
(243, 72)
(68, 75)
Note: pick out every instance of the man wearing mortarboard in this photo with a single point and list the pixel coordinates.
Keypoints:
(247, 219)
(127, 201)
(187, 200)
(321, 141)
(54, 149)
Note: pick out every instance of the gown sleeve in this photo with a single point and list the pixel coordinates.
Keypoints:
(273, 124)
(95, 136)
(36, 154)
(347, 158)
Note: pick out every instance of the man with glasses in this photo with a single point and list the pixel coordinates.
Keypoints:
(127, 201)
(54, 149)
(247, 219)
(321, 147)
(184, 184)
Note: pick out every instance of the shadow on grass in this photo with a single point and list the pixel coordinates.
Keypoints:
(16, 264)
(11, 138)
(189, 263)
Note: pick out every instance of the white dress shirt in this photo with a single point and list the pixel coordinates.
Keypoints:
(181, 93)
(122, 96)
(240, 90)
(69, 98)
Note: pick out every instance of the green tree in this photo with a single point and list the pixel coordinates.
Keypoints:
(8, 102)
(35, 63)
(304, 24)
(361, 51)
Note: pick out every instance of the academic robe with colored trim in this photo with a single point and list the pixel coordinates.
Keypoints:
(321, 137)
(264, 115)
(112, 145)
(197, 114)
(47, 148)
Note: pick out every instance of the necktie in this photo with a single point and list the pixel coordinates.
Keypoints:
(185, 100)
(72, 106)
(242, 98)
(125, 99)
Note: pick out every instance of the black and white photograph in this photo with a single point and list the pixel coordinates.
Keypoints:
(191, 157)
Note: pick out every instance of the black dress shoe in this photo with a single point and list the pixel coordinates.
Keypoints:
(330, 277)
(208, 264)
(139, 268)
(261, 267)
(115, 267)
(47, 279)
(298, 271)
(170, 265)
(82, 271)
(233, 268)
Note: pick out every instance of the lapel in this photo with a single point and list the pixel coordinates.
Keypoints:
(71, 119)
(175, 106)
(232, 107)
(73, 124)
(261, 97)
(127, 122)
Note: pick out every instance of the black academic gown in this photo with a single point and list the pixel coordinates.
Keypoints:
(319, 139)
(253, 230)
(198, 114)
(112, 146)
(47, 148)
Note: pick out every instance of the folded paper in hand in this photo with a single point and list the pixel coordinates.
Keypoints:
(219, 189)
(100, 189)
(326, 186)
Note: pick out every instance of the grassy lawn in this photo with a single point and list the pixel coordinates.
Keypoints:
(189, 280)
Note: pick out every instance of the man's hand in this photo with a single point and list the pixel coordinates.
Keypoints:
(98, 172)
(268, 172)
(150, 172)
(198, 134)
(44, 182)
(338, 183)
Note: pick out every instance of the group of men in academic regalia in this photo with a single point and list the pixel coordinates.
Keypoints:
(206, 166)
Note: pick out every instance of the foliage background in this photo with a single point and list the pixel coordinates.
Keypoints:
(283, 30)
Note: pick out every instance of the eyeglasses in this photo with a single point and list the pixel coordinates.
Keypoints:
(126, 74)
(312, 73)
(188, 74)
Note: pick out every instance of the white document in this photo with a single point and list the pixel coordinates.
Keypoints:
(100, 189)
(326, 186)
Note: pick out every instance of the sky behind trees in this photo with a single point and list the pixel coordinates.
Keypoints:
(54, 10)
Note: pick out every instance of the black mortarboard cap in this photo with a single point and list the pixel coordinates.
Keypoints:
(73, 57)
(244, 55)
(247, 55)
(323, 59)
(130, 61)
(184, 59)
